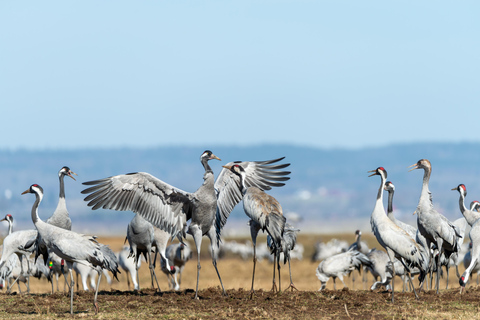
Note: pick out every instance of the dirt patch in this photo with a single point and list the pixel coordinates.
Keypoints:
(329, 304)
(118, 301)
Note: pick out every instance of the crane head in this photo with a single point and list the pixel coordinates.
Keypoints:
(379, 171)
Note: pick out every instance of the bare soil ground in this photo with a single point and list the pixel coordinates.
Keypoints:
(117, 301)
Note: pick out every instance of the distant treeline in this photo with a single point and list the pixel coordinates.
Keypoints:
(328, 187)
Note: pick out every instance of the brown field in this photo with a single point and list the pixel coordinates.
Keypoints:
(118, 302)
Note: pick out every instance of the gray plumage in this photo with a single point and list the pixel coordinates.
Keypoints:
(411, 230)
(340, 265)
(287, 244)
(323, 250)
(60, 216)
(127, 263)
(179, 254)
(391, 237)
(13, 270)
(431, 224)
(160, 242)
(470, 215)
(467, 259)
(361, 246)
(140, 236)
(169, 208)
(260, 174)
(72, 246)
(264, 211)
(475, 253)
(163, 205)
(380, 267)
(13, 244)
(473, 219)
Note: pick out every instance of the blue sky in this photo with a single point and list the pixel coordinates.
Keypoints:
(348, 74)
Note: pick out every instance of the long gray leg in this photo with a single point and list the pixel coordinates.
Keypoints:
(95, 304)
(213, 246)
(152, 270)
(274, 285)
(71, 290)
(292, 286)
(254, 228)
(196, 232)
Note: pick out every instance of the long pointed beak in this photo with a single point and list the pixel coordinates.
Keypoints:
(69, 174)
(227, 167)
(374, 172)
(215, 157)
(413, 166)
(26, 191)
(454, 189)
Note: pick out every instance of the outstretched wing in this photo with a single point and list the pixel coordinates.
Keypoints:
(261, 174)
(163, 205)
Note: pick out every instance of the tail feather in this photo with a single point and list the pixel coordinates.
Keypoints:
(275, 225)
(110, 261)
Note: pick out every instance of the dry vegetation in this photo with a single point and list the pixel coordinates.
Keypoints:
(118, 302)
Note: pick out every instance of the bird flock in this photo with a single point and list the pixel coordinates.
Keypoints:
(164, 213)
(423, 250)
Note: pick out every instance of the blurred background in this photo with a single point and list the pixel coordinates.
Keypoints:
(114, 87)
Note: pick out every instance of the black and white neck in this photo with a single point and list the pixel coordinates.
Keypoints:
(427, 167)
(470, 215)
(391, 190)
(205, 157)
(380, 171)
(38, 191)
(9, 219)
(65, 171)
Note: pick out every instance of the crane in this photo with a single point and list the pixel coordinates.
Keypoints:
(340, 265)
(411, 230)
(380, 267)
(60, 216)
(127, 263)
(169, 208)
(288, 242)
(432, 225)
(61, 219)
(179, 254)
(472, 216)
(361, 246)
(140, 236)
(467, 259)
(73, 247)
(392, 238)
(13, 244)
(264, 211)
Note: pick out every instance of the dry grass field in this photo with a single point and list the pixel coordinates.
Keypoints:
(116, 301)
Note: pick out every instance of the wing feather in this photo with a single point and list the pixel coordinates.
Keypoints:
(261, 174)
(158, 202)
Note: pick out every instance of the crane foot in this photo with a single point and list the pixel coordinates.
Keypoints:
(292, 287)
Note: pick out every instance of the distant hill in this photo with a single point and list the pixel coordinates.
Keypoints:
(329, 188)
